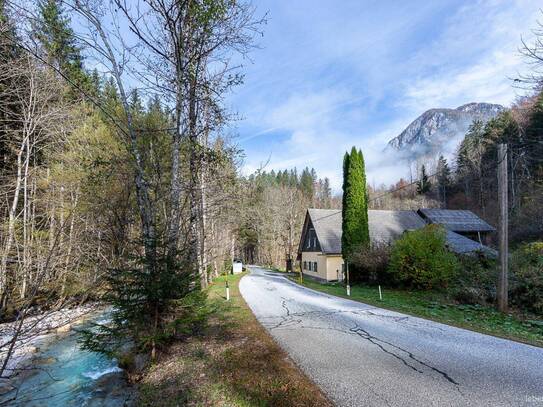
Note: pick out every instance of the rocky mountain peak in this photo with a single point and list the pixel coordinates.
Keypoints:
(435, 128)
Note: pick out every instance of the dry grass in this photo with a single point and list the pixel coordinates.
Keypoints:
(234, 363)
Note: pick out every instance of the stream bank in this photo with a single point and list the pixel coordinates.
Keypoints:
(55, 371)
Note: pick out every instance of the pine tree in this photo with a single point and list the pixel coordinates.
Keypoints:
(8, 50)
(423, 185)
(8, 105)
(306, 182)
(355, 206)
(58, 40)
(327, 193)
(443, 178)
(534, 139)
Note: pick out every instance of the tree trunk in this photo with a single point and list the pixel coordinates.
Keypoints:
(11, 228)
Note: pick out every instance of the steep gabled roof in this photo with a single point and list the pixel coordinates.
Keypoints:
(386, 226)
(327, 224)
(456, 220)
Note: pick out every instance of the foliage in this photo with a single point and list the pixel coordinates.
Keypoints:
(420, 259)
(355, 229)
(271, 212)
(475, 281)
(149, 306)
(443, 179)
(526, 289)
(423, 185)
(58, 40)
(371, 263)
(234, 363)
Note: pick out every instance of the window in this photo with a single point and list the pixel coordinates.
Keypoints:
(311, 239)
(310, 263)
(305, 265)
(315, 266)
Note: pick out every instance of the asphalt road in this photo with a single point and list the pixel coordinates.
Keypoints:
(361, 355)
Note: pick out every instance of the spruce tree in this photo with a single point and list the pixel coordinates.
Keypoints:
(355, 229)
(534, 139)
(443, 178)
(327, 193)
(423, 185)
(9, 105)
(306, 182)
(57, 38)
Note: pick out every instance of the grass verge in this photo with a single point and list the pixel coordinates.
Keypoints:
(234, 362)
(437, 307)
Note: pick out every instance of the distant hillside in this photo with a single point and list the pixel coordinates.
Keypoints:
(435, 129)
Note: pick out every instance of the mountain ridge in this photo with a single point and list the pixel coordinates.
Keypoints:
(433, 129)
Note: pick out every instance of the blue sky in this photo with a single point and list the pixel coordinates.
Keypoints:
(332, 74)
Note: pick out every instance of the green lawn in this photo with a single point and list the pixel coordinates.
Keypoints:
(435, 306)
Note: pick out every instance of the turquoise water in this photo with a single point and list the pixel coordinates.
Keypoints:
(66, 375)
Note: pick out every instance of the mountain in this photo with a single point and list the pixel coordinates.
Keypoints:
(439, 130)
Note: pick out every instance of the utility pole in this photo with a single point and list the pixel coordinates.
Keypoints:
(503, 229)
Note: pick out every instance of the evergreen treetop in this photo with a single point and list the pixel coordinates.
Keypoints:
(355, 229)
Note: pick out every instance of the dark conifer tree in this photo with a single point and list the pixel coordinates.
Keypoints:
(57, 38)
(8, 108)
(423, 185)
(443, 179)
(355, 206)
(533, 142)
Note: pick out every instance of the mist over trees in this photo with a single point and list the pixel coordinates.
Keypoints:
(469, 179)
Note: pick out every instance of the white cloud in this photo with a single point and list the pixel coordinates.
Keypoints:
(368, 91)
(475, 59)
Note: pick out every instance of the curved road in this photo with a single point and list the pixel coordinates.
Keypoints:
(361, 355)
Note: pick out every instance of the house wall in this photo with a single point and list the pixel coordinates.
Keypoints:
(334, 266)
(321, 264)
(327, 266)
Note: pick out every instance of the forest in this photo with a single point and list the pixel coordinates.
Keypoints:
(469, 179)
(120, 180)
(112, 191)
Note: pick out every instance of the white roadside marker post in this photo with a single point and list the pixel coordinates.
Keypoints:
(380, 294)
(348, 286)
(227, 288)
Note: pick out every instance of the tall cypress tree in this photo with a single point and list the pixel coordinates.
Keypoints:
(355, 204)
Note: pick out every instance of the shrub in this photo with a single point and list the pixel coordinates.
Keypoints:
(371, 264)
(526, 289)
(420, 259)
(475, 280)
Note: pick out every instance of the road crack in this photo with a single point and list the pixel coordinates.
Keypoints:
(379, 343)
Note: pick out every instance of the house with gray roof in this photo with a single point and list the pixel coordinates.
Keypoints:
(319, 251)
(462, 222)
